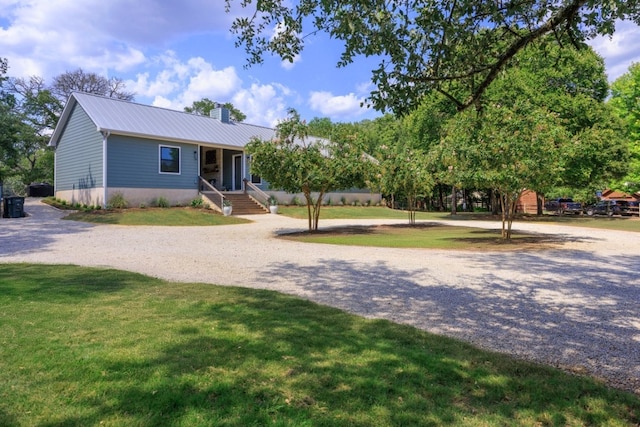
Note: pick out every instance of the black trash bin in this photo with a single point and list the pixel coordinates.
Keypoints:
(13, 207)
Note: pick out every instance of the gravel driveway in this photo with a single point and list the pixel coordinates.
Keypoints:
(576, 307)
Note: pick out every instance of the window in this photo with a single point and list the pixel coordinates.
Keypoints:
(169, 159)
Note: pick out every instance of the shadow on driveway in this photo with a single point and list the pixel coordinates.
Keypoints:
(36, 231)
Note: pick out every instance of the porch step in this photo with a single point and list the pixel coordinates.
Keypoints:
(243, 204)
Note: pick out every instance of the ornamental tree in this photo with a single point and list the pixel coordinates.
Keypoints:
(507, 148)
(298, 163)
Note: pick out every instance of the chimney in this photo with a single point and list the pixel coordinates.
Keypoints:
(220, 113)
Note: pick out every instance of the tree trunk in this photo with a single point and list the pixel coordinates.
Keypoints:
(539, 203)
(454, 200)
(307, 196)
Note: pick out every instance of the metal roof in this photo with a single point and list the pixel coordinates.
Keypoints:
(128, 118)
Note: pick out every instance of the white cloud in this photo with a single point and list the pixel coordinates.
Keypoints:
(49, 37)
(264, 105)
(184, 81)
(337, 107)
(620, 50)
(176, 84)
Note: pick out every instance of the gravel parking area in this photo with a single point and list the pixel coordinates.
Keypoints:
(576, 307)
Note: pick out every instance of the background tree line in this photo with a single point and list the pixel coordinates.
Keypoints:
(29, 111)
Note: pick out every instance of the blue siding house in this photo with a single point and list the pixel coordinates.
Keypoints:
(106, 146)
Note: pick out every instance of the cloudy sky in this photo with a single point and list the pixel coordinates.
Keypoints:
(171, 53)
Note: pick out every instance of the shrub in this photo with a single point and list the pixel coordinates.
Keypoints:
(162, 202)
(295, 201)
(197, 203)
(117, 201)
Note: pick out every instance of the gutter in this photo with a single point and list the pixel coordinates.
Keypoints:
(105, 136)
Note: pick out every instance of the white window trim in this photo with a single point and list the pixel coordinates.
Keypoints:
(160, 147)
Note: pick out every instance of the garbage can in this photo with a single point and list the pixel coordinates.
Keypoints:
(13, 207)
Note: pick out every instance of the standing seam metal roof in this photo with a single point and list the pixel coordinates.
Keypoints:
(128, 118)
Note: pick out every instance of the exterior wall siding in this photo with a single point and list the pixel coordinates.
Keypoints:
(79, 155)
(134, 163)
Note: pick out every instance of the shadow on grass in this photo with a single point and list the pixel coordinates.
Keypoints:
(574, 309)
(229, 356)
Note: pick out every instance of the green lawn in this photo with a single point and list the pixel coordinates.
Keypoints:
(156, 216)
(357, 212)
(373, 212)
(426, 236)
(82, 346)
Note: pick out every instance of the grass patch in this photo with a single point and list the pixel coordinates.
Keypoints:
(601, 222)
(358, 212)
(375, 212)
(81, 346)
(156, 216)
(426, 236)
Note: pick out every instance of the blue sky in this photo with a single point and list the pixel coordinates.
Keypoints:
(171, 53)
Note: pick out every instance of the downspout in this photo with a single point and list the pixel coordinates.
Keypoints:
(105, 136)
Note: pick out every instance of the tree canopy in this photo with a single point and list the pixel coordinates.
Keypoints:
(30, 110)
(625, 100)
(299, 163)
(82, 81)
(455, 47)
(204, 106)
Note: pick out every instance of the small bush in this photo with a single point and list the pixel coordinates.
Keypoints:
(143, 205)
(197, 203)
(117, 201)
(295, 201)
(162, 202)
(343, 200)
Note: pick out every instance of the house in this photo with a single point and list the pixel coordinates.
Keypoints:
(106, 146)
(609, 194)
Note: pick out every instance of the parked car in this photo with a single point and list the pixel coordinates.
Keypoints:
(609, 208)
(564, 205)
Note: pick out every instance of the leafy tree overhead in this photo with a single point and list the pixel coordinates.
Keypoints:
(204, 107)
(298, 163)
(425, 46)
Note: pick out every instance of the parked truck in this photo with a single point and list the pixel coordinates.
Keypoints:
(563, 206)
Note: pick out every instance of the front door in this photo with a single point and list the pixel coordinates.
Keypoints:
(237, 172)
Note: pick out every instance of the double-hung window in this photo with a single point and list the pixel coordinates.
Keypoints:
(169, 159)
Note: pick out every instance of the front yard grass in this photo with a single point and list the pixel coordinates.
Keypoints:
(375, 212)
(84, 346)
(426, 236)
(177, 216)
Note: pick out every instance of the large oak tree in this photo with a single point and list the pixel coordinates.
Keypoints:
(425, 46)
